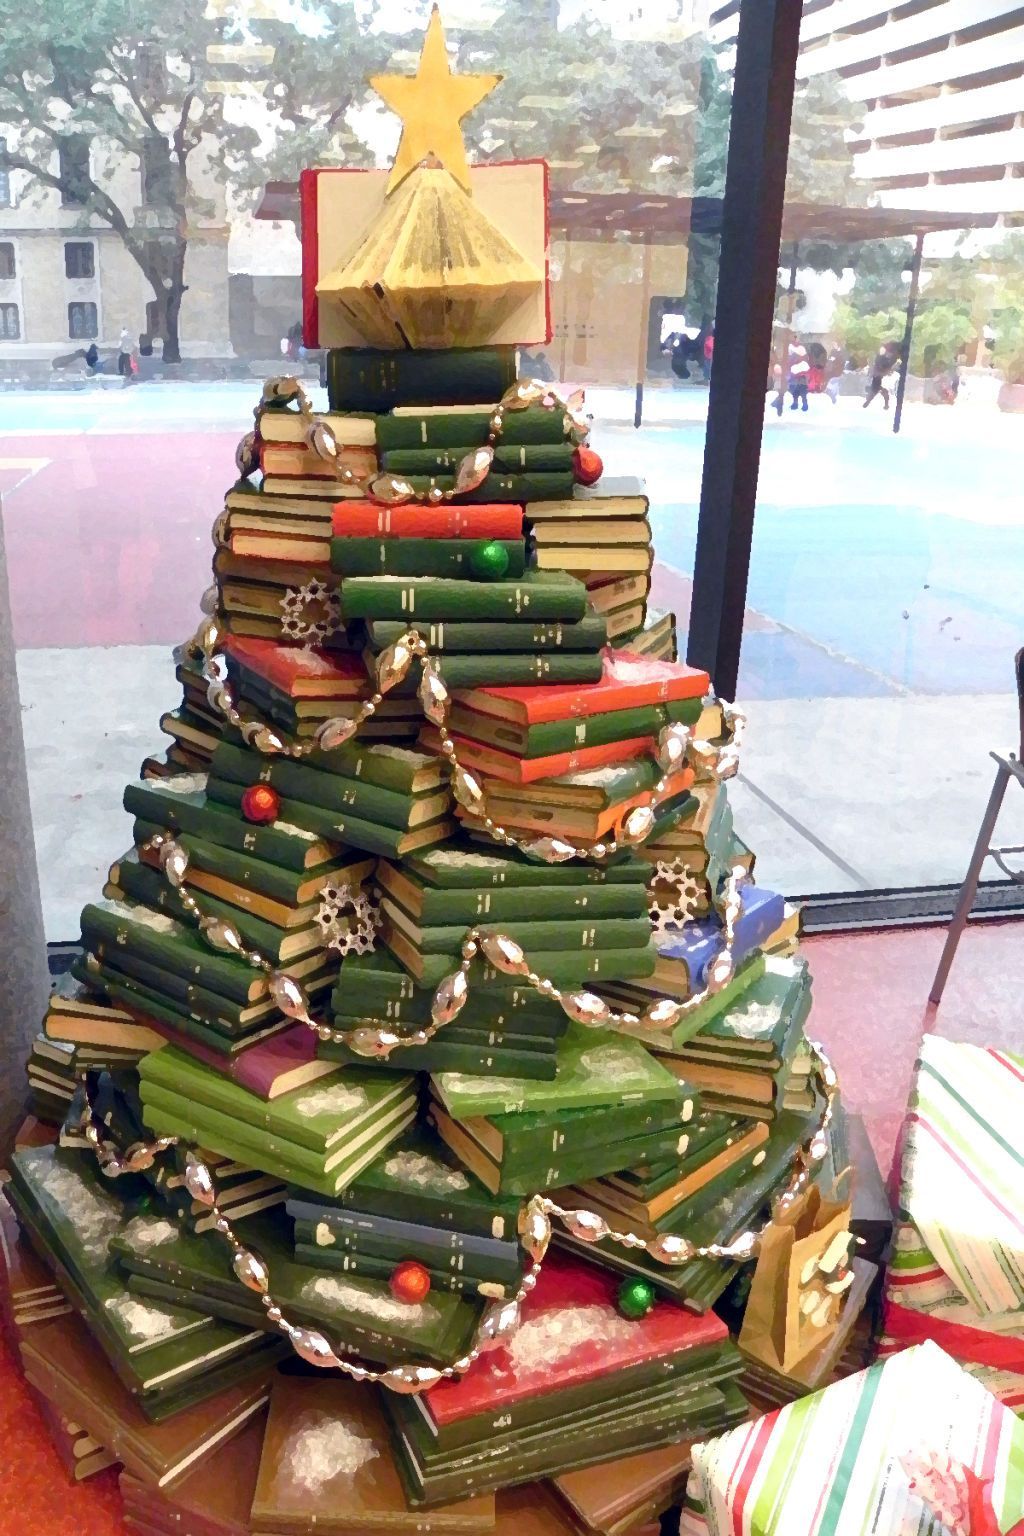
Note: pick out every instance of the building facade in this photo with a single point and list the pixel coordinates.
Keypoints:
(941, 86)
(66, 278)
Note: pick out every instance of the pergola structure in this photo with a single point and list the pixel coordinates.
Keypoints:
(650, 219)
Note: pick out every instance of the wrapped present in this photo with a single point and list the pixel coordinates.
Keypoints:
(957, 1271)
(913, 1444)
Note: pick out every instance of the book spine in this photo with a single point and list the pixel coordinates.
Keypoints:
(365, 598)
(365, 379)
(518, 903)
(177, 815)
(564, 968)
(230, 1136)
(370, 1267)
(311, 786)
(217, 1095)
(234, 761)
(396, 998)
(436, 429)
(251, 874)
(474, 1061)
(369, 520)
(590, 634)
(417, 557)
(219, 1012)
(149, 887)
(542, 485)
(510, 669)
(232, 978)
(509, 459)
(601, 935)
(355, 1243)
(355, 831)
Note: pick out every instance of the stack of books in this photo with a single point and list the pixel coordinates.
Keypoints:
(533, 462)
(318, 1136)
(381, 799)
(579, 1384)
(298, 689)
(600, 533)
(517, 1136)
(510, 1030)
(194, 727)
(29, 1295)
(82, 1015)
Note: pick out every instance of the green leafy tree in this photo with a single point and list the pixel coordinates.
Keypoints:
(132, 78)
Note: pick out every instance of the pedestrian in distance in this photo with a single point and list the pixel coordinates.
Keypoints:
(883, 376)
(799, 368)
(125, 353)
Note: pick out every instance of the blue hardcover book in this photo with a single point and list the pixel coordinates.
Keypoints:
(697, 943)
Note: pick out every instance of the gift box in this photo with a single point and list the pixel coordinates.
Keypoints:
(913, 1444)
(957, 1269)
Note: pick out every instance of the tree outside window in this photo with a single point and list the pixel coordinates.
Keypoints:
(5, 178)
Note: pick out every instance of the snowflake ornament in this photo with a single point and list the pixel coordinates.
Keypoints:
(671, 912)
(311, 614)
(359, 937)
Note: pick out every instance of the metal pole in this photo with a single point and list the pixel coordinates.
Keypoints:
(762, 105)
(908, 332)
(645, 323)
(791, 290)
(24, 978)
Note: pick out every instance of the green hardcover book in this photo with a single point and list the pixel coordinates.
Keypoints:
(518, 668)
(376, 986)
(330, 1113)
(535, 1140)
(592, 1071)
(419, 1179)
(361, 1314)
(709, 1131)
(290, 887)
(538, 595)
(369, 1266)
(366, 379)
(590, 634)
(463, 867)
(400, 769)
(168, 1115)
(148, 887)
(169, 944)
(563, 967)
(596, 933)
(430, 904)
(509, 459)
(330, 789)
(552, 736)
(443, 1056)
(156, 1007)
(441, 427)
(521, 488)
(356, 831)
(390, 1237)
(172, 804)
(759, 1028)
(228, 1016)
(699, 1018)
(418, 557)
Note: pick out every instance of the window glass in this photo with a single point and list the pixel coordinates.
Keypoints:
(10, 322)
(82, 320)
(79, 258)
(8, 265)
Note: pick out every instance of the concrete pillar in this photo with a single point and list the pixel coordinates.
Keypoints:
(24, 978)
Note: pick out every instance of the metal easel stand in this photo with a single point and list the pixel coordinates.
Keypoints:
(1007, 767)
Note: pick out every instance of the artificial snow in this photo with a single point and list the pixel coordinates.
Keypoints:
(142, 1319)
(144, 1232)
(94, 1215)
(419, 1171)
(335, 1099)
(322, 1448)
(377, 1304)
(551, 1336)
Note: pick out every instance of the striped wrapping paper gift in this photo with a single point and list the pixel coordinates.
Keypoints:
(957, 1273)
(832, 1464)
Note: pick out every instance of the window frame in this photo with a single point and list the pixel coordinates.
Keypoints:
(84, 305)
(80, 246)
(8, 245)
(7, 307)
(79, 145)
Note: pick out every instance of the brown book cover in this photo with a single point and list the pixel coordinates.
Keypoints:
(328, 1466)
(533, 1509)
(204, 1501)
(28, 1292)
(79, 1454)
(616, 1495)
(63, 1363)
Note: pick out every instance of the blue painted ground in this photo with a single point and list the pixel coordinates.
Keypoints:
(880, 565)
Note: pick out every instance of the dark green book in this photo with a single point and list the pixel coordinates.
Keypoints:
(460, 866)
(518, 668)
(225, 1015)
(419, 1179)
(442, 1056)
(590, 634)
(354, 831)
(522, 487)
(552, 736)
(490, 904)
(376, 986)
(156, 1007)
(553, 934)
(437, 427)
(366, 379)
(758, 1029)
(538, 595)
(563, 967)
(168, 803)
(509, 459)
(315, 786)
(419, 557)
(290, 887)
(400, 769)
(361, 1231)
(371, 1266)
(148, 887)
(170, 945)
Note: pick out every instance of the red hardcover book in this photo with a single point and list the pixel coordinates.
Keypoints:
(572, 1332)
(300, 673)
(269, 1068)
(369, 520)
(527, 770)
(628, 681)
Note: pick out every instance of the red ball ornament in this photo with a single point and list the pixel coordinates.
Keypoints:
(409, 1282)
(260, 804)
(586, 465)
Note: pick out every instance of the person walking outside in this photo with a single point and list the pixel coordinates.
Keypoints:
(125, 351)
(709, 355)
(799, 368)
(883, 376)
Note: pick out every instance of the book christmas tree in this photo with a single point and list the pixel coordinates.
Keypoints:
(427, 1135)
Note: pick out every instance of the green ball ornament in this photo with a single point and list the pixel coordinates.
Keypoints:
(636, 1298)
(489, 561)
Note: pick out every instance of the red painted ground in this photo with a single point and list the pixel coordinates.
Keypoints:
(869, 1010)
(108, 537)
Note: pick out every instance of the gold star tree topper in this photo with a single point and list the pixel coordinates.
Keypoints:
(432, 104)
